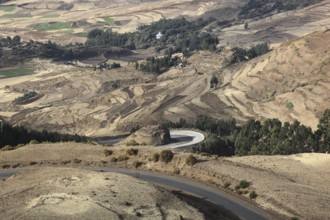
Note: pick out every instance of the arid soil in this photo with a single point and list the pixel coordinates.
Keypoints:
(293, 186)
(290, 83)
(63, 193)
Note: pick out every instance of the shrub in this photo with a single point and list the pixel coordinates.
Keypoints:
(253, 195)
(176, 171)
(191, 160)
(77, 160)
(132, 143)
(155, 157)
(289, 105)
(114, 159)
(166, 156)
(244, 184)
(227, 184)
(132, 151)
(137, 164)
(122, 158)
(7, 147)
(33, 163)
(5, 166)
(108, 152)
(33, 142)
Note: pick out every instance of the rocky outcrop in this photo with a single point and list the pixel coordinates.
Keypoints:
(150, 135)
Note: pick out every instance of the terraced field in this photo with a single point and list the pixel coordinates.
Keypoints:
(119, 15)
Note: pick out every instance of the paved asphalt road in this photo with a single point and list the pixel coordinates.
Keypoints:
(237, 206)
(180, 138)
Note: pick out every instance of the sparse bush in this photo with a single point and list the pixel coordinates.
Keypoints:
(132, 143)
(5, 166)
(132, 151)
(137, 164)
(155, 157)
(191, 160)
(77, 160)
(33, 142)
(114, 159)
(166, 156)
(289, 105)
(108, 152)
(176, 171)
(237, 187)
(7, 147)
(244, 184)
(122, 158)
(253, 195)
(227, 185)
(33, 163)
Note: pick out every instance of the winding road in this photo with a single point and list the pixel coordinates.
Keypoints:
(182, 138)
(242, 209)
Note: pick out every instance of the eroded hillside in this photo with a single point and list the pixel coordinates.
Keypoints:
(291, 82)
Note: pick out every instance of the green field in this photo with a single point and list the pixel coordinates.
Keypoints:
(64, 32)
(54, 15)
(16, 15)
(108, 20)
(13, 72)
(52, 26)
(7, 8)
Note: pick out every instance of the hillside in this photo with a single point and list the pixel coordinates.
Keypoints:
(99, 195)
(291, 82)
(280, 182)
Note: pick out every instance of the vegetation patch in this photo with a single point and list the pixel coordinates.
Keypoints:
(253, 195)
(27, 98)
(191, 160)
(109, 20)
(166, 156)
(108, 152)
(132, 151)
(7, 8)
(52, 26)
(155, 157)
(55, 15)
(17, 136)
(14, 72)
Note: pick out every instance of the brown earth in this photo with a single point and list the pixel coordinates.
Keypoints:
(64, 193)
(289, 83)
(281, 182)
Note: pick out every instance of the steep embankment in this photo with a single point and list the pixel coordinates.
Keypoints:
(291, 82)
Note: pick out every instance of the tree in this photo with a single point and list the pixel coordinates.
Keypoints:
(323, 132)
(16, 40)
(214, 82)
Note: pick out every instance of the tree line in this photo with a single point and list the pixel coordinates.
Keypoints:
(15, 135)
(183, 34)
(242, 54)
(270, 137)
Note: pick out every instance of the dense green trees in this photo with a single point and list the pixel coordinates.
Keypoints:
(183, 34)
(241, 54)
(269, 137)
(13, 136)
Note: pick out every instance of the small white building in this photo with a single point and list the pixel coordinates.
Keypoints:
(159, 35)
